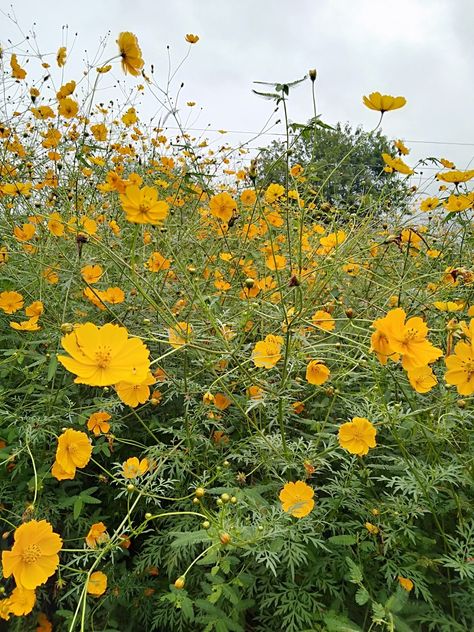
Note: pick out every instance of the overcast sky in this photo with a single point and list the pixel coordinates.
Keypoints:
(422, 49)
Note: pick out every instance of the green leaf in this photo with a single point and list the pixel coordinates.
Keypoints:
(362, 596)
(77, 508)
(339, 623)
(343, 540)
(52, 367)
(355, 573)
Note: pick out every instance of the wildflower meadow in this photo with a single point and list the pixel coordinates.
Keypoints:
(230, 400)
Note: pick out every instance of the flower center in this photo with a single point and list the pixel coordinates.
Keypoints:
(103, 358)
(31, 554)
(144, 208)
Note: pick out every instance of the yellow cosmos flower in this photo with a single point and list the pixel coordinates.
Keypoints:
(383, 102)
(222, 206)
(97, 584)
(34, 555)
(61, 474)
(135, 394)
(317, 372)
(460, 365)
(26, 325)
(74, 450)
(192, 39)
(357, 436)
(397, 164)
(35, 309)
(103, 356)
(142, 205)
(68, 108)
(429, 204)
(266, 353)
(22, 601)
(396, 337)
(323, 320)
(131, 53)
(274, 192)
(455, 177)
(61, 56)
(179, 335)
(11, 302)
(450, 306)
(133, 467)
(422, 379)
(297, 499)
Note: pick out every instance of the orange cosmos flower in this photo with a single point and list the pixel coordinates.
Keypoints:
(34, 555)
(383, 102)
(266, 353)
(297, 499)
(97, 535)
(91, 274)
(131, 54)
(317, 372)
(98, 423)
(405, 583)
(97, 584)
(323, 320)
(357, 436)
(102, 356)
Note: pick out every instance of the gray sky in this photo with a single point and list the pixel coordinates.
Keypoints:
(421, 49)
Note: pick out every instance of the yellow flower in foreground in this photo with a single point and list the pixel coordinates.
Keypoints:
(74, 450)
(383, 102)
(34, 555)
(133, 467)
(297, 499)
(130, 52)
(22, 601)
(142, 206)
(317, 372)
(102, 356)
(357, 436)
(60, 473)
(266, 353)
(97, 584)
(35, 309)
(134, 394)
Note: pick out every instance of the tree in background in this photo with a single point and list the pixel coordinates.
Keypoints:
(342, 166)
